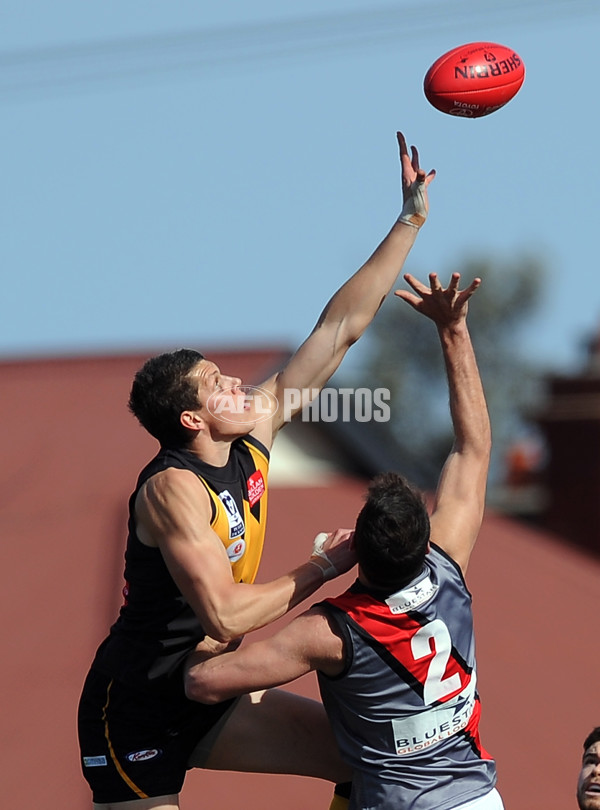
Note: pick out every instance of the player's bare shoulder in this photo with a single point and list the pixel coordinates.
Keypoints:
(326, 651)
(168, 501)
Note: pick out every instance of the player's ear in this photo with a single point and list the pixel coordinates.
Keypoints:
(191, 420)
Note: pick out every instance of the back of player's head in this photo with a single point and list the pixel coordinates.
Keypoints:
(392, 532)
(592, 737)
(162, 389)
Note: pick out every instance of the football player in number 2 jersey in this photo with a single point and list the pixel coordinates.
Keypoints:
(395, 653)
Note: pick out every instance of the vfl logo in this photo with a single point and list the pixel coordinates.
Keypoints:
(244, 404)
(144, 754)
(236, 524)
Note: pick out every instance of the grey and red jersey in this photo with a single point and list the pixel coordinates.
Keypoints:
(405, 709)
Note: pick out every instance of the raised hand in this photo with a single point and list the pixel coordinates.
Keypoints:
(414, 186)
(444, 306)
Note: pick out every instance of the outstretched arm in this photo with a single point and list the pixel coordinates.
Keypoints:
(460, 496)
(354, 305)
(309, 642)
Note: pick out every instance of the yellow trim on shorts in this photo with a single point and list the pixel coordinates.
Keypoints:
(138, 791)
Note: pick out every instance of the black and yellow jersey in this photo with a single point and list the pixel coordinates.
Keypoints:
(156, 628)
(239, 512)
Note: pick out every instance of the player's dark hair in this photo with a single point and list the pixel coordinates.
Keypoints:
(392, 532)
(162, 389)
(592, 737)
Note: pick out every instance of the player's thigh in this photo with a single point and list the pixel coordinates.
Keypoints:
(135, 745)
(276, 732)
(157, 803)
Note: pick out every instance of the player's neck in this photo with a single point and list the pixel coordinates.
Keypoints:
(212, 450)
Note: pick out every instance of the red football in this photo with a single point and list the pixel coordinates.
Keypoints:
(474, 79)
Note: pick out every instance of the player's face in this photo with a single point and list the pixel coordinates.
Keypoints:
(223, 400)
(588, 785)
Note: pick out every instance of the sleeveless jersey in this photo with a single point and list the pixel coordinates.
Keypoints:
(156, 628)
(405, 710)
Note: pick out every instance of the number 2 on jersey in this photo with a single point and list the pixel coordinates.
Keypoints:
(436, 687)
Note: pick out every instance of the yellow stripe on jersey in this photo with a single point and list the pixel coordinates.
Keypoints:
(245, 551)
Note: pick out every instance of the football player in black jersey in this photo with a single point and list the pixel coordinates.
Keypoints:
(191, 561)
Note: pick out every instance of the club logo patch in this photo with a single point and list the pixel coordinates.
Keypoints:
(256, 487)
(144, 754)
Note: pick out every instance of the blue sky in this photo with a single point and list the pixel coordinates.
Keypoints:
(219, 192)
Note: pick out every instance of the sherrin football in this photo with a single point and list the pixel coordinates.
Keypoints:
(474, 80)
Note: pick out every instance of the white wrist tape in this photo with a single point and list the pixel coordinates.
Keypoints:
(329, 570)
(414, 210)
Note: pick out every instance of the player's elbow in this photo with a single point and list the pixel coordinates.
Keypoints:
(226, 629)
(232, 612)
(349, 330)
(477, 444)
(199, 686)
(337, 334)
(484, 448)
(220, 632)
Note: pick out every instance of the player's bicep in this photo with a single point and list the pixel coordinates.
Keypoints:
(175, 511)
(459, 505)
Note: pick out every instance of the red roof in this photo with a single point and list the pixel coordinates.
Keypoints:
(71, 455)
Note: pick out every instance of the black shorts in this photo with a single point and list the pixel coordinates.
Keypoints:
(136, 744)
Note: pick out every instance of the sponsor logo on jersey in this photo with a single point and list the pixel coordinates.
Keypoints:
(144, 754)
(236, 550)
(256, 487)
(236, 524)
(94, 762)
(426, 728)
(413, 597)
